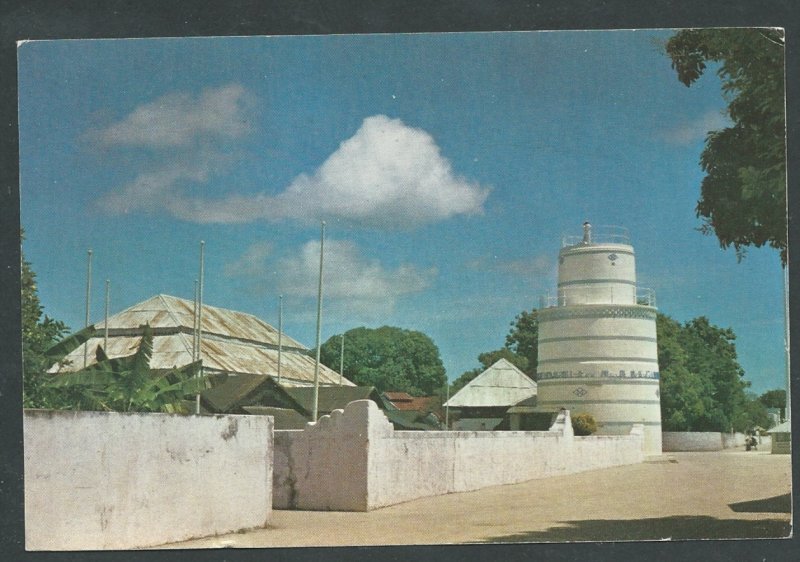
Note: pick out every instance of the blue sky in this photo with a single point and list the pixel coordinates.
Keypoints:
(447, 168)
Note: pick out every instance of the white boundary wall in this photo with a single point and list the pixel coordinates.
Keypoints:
(101, 480)
(689, 441)
(353, 460)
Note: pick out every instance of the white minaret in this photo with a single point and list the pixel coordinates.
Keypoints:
(597, 338)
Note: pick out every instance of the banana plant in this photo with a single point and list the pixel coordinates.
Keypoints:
(128, 384)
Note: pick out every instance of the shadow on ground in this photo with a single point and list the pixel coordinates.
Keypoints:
(676, 527)
(776, 504)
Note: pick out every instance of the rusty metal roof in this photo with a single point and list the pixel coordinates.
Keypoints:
(233, 342)
(502, 384)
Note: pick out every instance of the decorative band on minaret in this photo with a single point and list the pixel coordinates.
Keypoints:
(597, 337)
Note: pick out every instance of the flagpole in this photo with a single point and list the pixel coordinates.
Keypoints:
(315, 409)
(200, 325)
(341, 361)
(280, 334)
(88, 300)
(105, 322)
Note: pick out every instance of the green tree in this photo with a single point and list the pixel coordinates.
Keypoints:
(127, 384)
(775, 399)
(743, 195)
(387, 358)
(685, 395)
(702, 386)
(39, 333)
(523, 340)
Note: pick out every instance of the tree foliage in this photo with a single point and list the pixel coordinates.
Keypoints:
(387, 358)
(743, 195)
(775, 399)
(127, 384)
(523, 340)
(39, 333)
(702, 385)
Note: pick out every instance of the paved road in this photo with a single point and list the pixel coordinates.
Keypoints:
(733, 494)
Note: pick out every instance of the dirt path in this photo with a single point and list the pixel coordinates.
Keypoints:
(732, 494)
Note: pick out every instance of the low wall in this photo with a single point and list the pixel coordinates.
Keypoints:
(697, 441)
(355, 461)
(101, 480)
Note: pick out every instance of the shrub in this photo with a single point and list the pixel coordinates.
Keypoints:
(584, 424)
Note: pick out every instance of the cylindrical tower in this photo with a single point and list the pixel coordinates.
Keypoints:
(597, 338)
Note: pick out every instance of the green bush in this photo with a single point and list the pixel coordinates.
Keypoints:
(584, 424)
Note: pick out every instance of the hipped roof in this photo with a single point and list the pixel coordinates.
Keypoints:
(232, 342)
(501, 385)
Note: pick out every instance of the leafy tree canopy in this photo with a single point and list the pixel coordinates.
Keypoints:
(387, 358)
(702, 386)
(39, 333)
(523, 340)
(774, 399)
(743, 195)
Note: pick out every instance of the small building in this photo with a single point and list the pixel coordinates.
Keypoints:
(483, 402)
(781, 438)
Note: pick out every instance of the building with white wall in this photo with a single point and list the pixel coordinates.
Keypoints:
(597, 338)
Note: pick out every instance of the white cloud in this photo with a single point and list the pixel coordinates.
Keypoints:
(179, 119)
(387, 174)
(693, 131)
(352, 282)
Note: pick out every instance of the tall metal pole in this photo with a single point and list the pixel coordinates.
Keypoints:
(786, 340)
(280, 334)
(447, 406)
(341, 361)
(105, 322)
(200, 324)
(194, 323)
(88, 299)
(319, 323)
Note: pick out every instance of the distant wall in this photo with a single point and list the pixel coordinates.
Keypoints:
(355, 461)
(676, 441)
(99, 480)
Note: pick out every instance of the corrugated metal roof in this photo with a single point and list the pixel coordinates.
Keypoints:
(501, 385)
(233, 342)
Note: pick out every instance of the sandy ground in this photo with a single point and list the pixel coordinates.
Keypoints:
(732, 494)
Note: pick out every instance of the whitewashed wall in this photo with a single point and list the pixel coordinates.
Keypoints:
(698, 441)
(355, 461)
(98, 480)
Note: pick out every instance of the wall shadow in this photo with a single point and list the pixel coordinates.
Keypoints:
(660, 528)
(776, 504)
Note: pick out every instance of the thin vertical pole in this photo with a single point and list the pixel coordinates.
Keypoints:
(341, 361)
(315, 410)
(88, 300)
(194, 323)
(105, 322)
(788, 415)
(447, 406)
(280, 334)
(200, 324)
